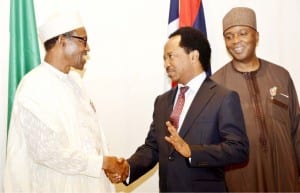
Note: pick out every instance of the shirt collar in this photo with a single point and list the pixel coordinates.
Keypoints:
(195, 83)
(55, 71)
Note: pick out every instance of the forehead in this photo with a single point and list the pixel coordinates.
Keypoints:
(172, 43)
(238, 28)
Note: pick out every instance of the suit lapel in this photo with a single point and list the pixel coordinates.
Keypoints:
(201, 99)
(171, 100)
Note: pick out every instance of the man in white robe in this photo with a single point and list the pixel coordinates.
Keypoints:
(55, 143)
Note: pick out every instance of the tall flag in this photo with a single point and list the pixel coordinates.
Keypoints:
(187, 13)
(24, 48)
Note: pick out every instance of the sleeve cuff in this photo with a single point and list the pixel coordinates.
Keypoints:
(94, 167)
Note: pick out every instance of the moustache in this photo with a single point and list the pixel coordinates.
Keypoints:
(86, 57)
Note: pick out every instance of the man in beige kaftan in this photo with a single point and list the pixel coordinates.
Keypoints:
(271, 111)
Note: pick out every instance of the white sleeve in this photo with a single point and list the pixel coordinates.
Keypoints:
(50, 148)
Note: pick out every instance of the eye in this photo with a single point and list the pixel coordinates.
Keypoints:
(171, 56)
(243, 33)
(228, 37)
(83, 40)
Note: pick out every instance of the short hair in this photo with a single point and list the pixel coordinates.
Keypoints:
(49, 44)
(193, 39)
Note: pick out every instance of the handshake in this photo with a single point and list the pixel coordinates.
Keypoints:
(116, 169)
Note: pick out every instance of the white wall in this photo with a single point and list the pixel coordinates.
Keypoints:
(125, 72)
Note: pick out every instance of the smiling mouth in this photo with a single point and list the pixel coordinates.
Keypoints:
(238, 50)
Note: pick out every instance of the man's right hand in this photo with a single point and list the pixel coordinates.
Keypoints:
(116, 169)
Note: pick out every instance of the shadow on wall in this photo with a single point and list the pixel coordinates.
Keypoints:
(121, 188)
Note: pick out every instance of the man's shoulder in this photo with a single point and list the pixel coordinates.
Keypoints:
(34, 73)
(218, 87)
(34, 79)
(168, 93)
(223, 67)
(219, 75)
(276, 69)
(221, 92)
(272, 65)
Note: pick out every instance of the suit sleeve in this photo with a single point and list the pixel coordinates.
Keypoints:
(233, 144)
(146, 156)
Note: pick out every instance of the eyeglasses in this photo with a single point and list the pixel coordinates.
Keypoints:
(82, 39)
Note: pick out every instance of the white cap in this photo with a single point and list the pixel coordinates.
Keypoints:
(59, 23)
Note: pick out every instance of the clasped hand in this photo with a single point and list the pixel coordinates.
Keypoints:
(116, 169)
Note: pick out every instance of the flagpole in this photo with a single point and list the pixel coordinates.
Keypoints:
(24, 48)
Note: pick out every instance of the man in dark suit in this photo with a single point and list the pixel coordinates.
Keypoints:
(209, 135)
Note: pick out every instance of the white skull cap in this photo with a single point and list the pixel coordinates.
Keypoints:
(59, 23)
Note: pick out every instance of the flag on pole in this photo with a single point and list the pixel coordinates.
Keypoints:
(24, 48)
(187, 13)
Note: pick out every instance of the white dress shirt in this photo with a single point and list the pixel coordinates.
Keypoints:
(190, 94)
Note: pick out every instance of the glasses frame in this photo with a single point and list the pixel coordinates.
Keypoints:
(82, 39)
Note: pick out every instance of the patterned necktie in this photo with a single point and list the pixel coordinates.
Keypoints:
(178, 107)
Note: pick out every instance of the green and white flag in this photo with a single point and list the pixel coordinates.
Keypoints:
(24, 47)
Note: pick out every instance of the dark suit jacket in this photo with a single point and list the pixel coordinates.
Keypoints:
(214, 129)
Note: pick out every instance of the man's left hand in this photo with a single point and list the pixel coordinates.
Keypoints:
(178, 143)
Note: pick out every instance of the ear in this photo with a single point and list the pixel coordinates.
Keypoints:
(257, 37)
(61, 40)
(194, 55)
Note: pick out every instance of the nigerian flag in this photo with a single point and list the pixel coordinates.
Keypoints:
(24, 48)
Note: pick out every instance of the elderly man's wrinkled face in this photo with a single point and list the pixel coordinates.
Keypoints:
(77, 48)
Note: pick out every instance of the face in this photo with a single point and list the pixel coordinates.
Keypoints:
(177, 62)
(241, 42)
(77, 48)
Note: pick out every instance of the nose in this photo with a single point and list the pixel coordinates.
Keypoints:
(87, 47)
(166, 63)
(235, 39)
